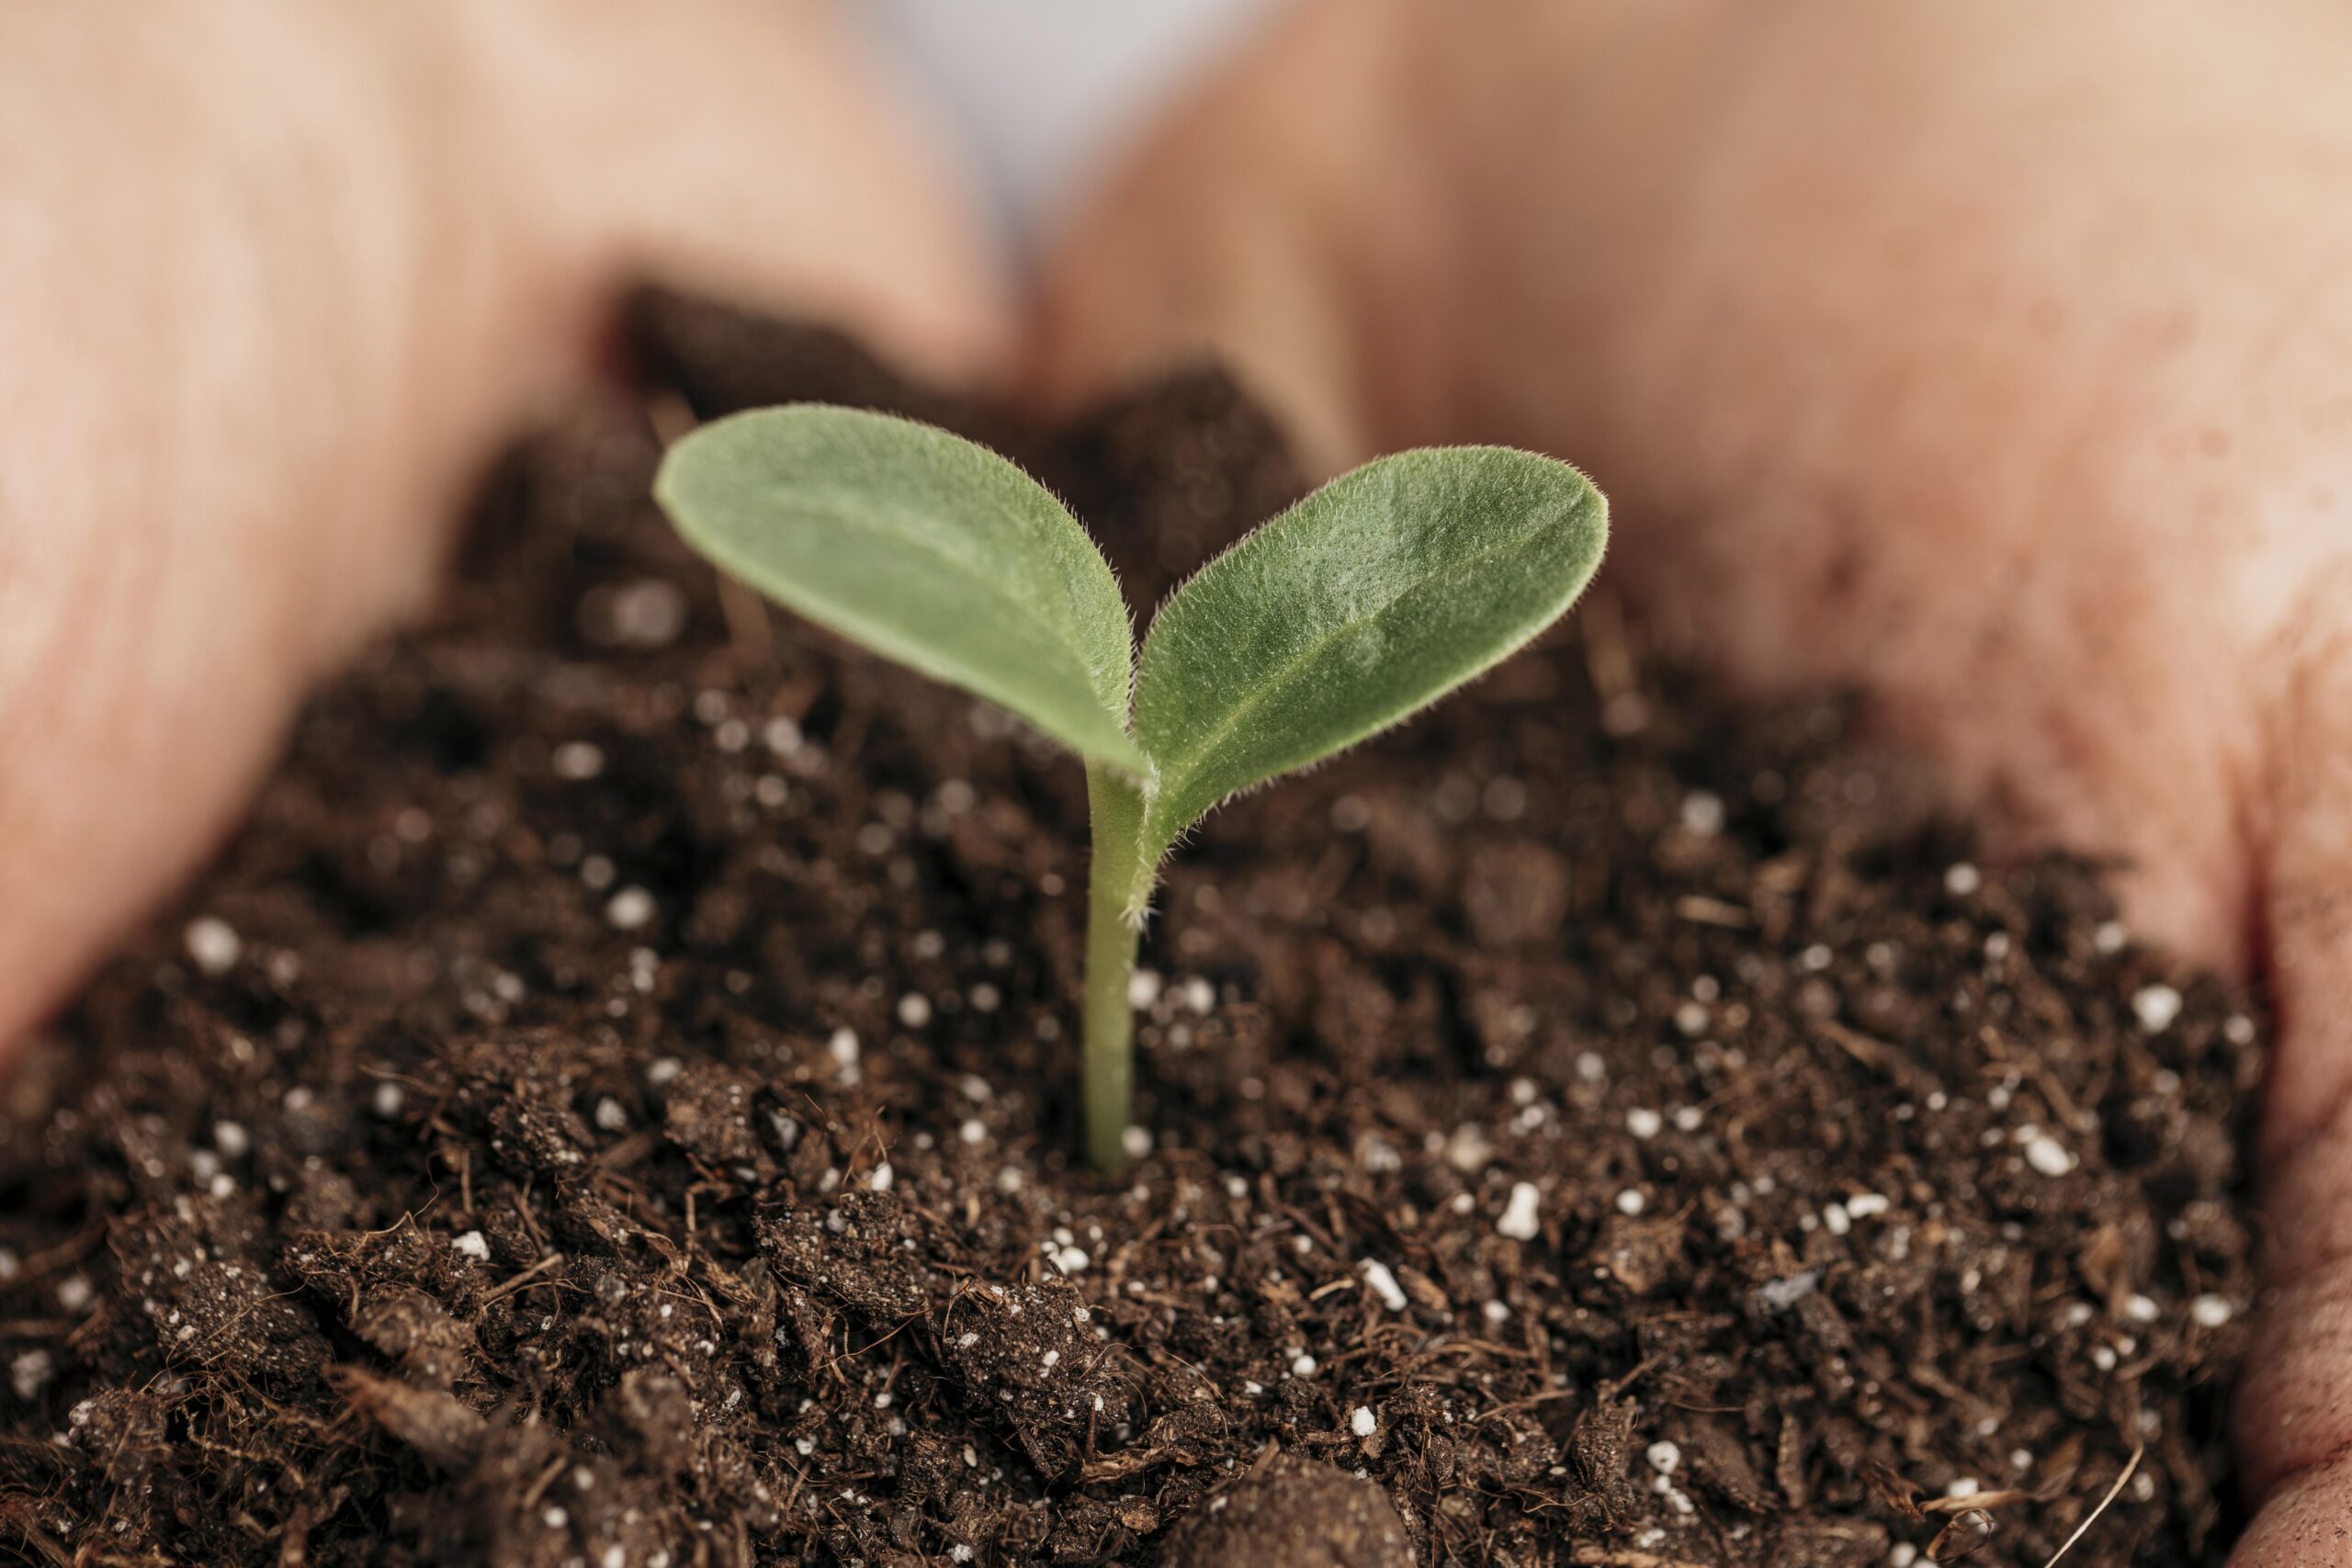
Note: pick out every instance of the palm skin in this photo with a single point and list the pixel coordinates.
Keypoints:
(1993, 356)
(1998, 359)
(278, 280)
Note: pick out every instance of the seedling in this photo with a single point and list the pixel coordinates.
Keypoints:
(1367, 600)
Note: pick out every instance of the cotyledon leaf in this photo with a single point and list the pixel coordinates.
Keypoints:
(1367, 600)
(923, 547)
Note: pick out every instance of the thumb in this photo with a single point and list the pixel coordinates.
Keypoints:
(1272, 221)
(751, 148)
(2294, 1411)
(342, 250)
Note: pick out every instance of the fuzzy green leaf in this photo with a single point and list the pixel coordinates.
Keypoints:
(921, 546)
(1372, 598)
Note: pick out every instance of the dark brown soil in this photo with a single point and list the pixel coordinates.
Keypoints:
(611, 1107)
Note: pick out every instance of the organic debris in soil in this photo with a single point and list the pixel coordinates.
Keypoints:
(611, 1108)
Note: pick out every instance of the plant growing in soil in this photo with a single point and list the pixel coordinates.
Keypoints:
(1364, 603)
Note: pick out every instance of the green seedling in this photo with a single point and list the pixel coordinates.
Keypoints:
(1367, 600)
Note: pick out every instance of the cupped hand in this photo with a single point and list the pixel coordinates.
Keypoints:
(1996, 359)
(276, 278)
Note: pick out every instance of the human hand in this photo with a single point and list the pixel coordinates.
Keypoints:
(276, 281)
(1992, 358)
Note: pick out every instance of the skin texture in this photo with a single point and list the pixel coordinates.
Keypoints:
(1997, 359)
(276, 281)
(1993, 356)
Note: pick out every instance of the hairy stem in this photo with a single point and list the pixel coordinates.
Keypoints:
(1118, 886)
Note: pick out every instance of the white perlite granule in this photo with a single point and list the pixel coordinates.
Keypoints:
(1520, 1218)
(213, 943)
(2210, 1311)
(1702, 813)
(1383, 1284)
(629, 908)
(577, 759)
(2157, 1006)
(2048, 1156)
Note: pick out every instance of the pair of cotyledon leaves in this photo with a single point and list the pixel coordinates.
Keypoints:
(1370, 599)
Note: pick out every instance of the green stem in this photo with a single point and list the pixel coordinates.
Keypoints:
(1118, 886)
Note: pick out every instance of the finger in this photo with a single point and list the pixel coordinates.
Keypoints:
(1903, 372)
(749, 149)
(2306, 1524)
(1684, 247)
(1241, 229)
(2294, 1412)
(274, 288)
(1403, 223)
(209, 282)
